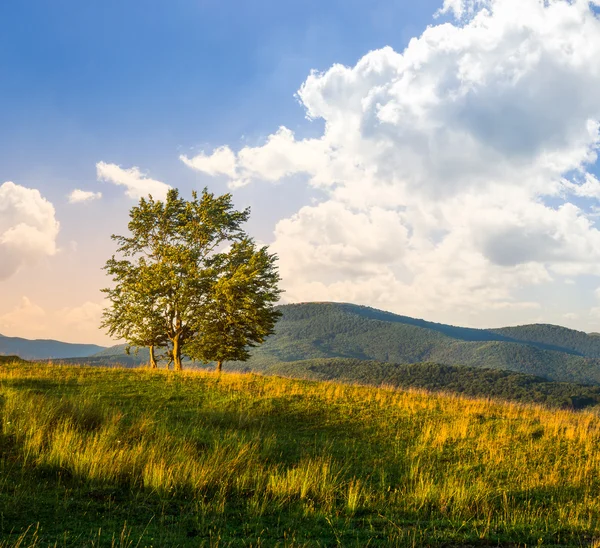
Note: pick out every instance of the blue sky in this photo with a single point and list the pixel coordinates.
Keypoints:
(88, 78)
(139, 82)
(395, 194)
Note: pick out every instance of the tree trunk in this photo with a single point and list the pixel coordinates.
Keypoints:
(152, 358)
(177, 354)
(219, 366)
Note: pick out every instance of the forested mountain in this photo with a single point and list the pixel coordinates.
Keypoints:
(40, 349)
(586, 344)
(337, 330)
(327, 330)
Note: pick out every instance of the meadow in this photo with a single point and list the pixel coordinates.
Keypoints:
(138, 458)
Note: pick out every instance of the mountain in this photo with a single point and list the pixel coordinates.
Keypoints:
(339, 330)
(40, 349)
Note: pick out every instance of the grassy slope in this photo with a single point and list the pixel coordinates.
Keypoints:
(101, 457)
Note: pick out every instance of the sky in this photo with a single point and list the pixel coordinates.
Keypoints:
(437, 159)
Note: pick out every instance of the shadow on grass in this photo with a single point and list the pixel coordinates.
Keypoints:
(39, 385)
(297, 432)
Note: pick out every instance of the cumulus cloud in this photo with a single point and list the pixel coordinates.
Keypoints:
(457, 171)
(85, 317)
(78, 196)
(136, 183)
(281, 156)
(222, 161)
(28, 228)
(588, 186)
(26, 315)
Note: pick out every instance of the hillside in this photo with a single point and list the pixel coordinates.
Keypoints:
(121, 457)
(328, 330)
(39, 349)
(468, 381)
(10, 359)
(337, 330)
(586, 344)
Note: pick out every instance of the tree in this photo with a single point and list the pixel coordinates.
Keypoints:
(134, 315)
(238, 313)
(178, 286)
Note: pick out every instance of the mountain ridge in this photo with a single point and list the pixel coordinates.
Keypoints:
(320, 330)
(343, 330)
(41, 349)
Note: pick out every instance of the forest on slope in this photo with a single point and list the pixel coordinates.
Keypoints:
(332, 330)
(456, 379)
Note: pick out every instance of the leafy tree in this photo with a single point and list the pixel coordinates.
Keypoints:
(134, 315)
(238, 313)
(187, 279)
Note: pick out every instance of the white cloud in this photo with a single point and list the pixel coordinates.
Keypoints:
(335, 242)
(281, 156)
(26, 315)
(85, 317)
(221, 162)
(78, 196)
(587, 187)
(137, 184)
(28, 228)
(331, 252)
(451, 168)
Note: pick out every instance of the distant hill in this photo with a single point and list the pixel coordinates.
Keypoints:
(338, 330)
(10, 359)
(40, 349)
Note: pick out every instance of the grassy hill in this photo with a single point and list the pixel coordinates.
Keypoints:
(121, 457)
(40, 349)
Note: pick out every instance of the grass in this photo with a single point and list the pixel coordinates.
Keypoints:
(133, 458)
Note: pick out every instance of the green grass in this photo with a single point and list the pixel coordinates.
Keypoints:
(116, 457)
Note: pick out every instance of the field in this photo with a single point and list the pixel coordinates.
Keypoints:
(116, 457)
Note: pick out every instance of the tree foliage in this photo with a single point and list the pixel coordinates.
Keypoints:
(188, 279)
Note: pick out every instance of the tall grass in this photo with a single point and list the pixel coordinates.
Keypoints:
(196, 459)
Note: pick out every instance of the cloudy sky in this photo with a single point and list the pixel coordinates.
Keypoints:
(437, 158)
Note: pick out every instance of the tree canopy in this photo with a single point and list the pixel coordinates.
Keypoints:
(190, 281)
